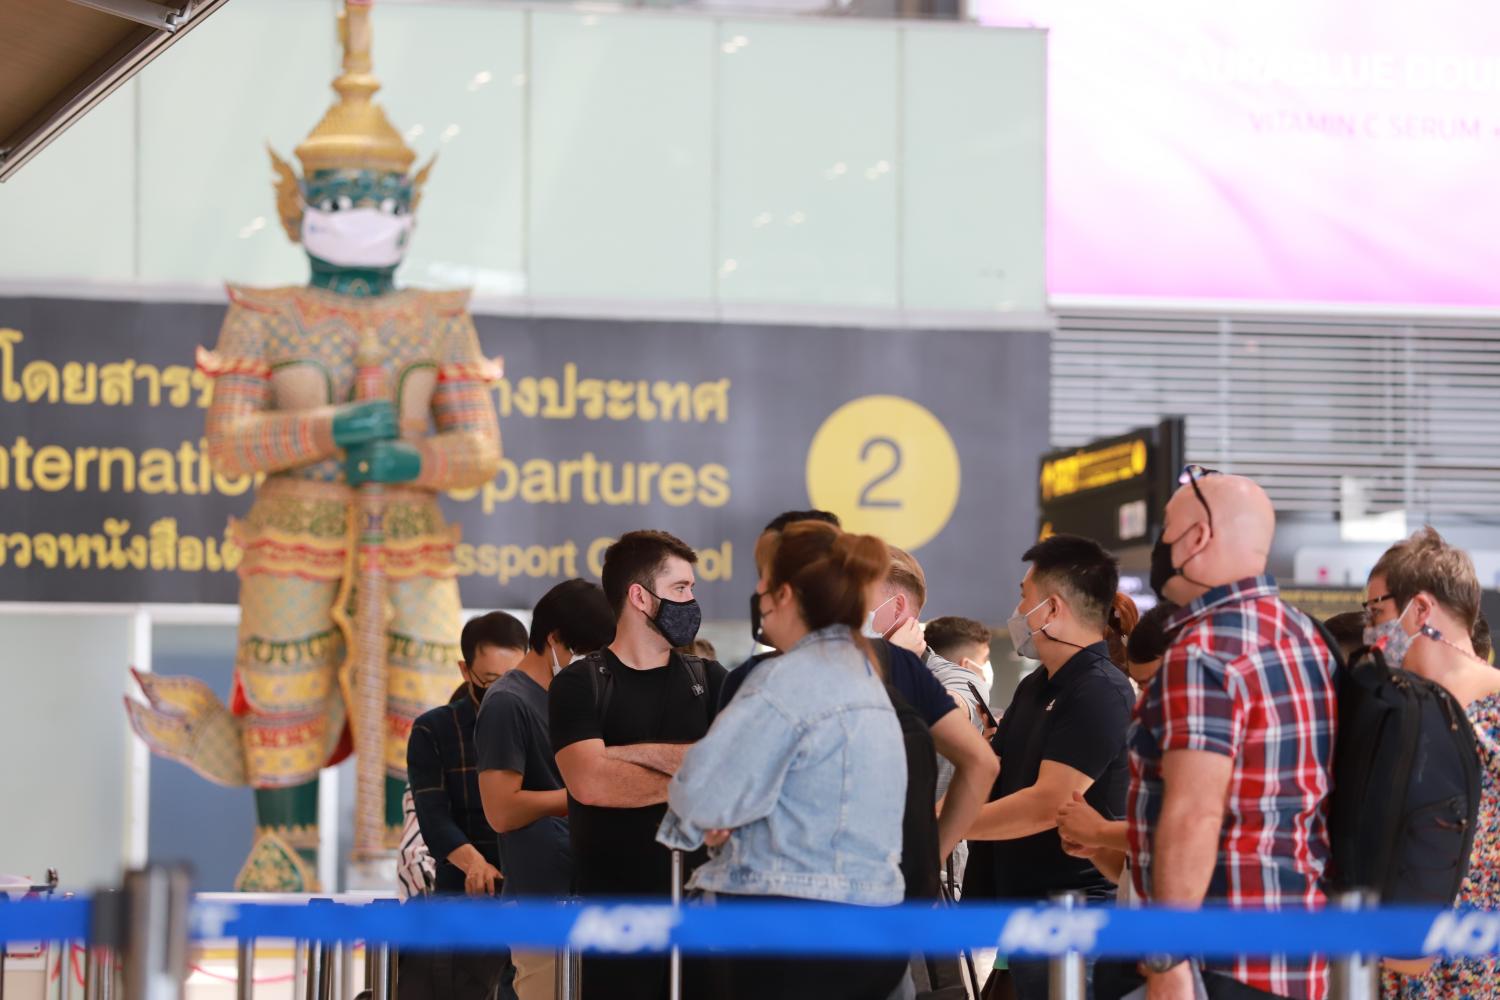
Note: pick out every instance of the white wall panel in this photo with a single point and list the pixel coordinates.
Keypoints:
(622, 124)
(973, 150)
(808, 165)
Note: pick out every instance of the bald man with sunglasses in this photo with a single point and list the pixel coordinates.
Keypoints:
(1231, 748)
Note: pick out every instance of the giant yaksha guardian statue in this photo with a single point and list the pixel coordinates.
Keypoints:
(359, 403)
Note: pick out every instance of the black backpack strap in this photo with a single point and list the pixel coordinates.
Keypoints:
(1333, 644)
(698, 672)
(603, 681)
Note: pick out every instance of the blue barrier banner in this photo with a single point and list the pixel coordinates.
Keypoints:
(44, 920)
(813, 928)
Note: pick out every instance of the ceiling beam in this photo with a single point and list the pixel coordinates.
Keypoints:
(110, 74)
(162, 17)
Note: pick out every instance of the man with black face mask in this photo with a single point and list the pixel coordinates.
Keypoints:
(1233, 739)
(620, 721)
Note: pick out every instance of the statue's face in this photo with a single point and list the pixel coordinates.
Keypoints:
(357, 218)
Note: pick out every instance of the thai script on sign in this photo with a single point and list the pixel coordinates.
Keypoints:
(161, 548)
(84, 383)
(613, 399)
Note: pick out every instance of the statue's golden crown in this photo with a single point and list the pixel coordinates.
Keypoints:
(355, 133)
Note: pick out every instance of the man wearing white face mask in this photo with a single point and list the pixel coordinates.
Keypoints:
(965, 642)
(1064, 732)
(519, 781)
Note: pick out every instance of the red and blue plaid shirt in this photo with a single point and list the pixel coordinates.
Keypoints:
(1249, 677)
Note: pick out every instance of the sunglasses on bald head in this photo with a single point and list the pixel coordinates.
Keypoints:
(1189, 477)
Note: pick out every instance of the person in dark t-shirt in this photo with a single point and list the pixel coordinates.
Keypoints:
(1064, 732)
(955, 738)
(522, 789)
(620, 724)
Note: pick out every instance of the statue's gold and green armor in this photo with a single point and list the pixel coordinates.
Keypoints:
(292, 371)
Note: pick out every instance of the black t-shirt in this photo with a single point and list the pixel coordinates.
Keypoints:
(908, 675)
(615, 852)
(1077, 717)
(511, 735)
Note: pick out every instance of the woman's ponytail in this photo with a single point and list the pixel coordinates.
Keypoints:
(1119, 622)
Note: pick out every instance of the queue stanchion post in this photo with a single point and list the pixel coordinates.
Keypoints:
(674, 974)
(1355, 977)
(567, 973)
(65, 974)
(319, 961)
(244, 969)
(107, 922)
(1067, 974)
(299, 968)
(157, 899)
(380, 972)
(319, 972)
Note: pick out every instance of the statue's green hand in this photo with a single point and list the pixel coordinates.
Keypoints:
(382, 462)
(370, 420)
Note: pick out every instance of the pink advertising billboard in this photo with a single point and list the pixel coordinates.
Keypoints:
(1344, 151)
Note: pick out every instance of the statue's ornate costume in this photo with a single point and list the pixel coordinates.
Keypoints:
(358, 403)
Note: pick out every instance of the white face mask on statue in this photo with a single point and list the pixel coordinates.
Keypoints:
(356, 237)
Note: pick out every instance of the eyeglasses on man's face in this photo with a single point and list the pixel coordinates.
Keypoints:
(1372, 606)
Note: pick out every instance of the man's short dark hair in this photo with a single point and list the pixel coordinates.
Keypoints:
(1150, 638)
(1348, 630)
(1081, 569)
(578, 612)
(637, 558)
(494, 629)
(780, 521)
(949, 634)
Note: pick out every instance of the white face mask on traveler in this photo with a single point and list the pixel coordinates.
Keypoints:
(870, 631)
(1023, 636)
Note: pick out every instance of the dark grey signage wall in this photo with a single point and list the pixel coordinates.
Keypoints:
(929, 438)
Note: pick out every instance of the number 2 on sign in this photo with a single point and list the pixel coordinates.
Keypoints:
(866, 497)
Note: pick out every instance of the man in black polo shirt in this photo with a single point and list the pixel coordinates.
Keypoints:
(620, 724)
(1064, 732)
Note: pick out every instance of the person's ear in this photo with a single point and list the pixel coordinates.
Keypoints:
(783, 595)
(1205, 535)
(640, 600)
(1422, 606)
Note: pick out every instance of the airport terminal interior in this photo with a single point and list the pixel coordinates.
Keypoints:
(389, 387)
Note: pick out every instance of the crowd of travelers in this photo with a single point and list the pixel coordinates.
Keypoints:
(1181, 756)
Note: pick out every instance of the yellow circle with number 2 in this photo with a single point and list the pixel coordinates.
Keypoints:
(886, 466)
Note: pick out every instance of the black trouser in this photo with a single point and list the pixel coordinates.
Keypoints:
(764, 977)
(1030, 977)
(456, 975)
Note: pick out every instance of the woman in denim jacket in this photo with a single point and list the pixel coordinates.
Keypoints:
(800, 784)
